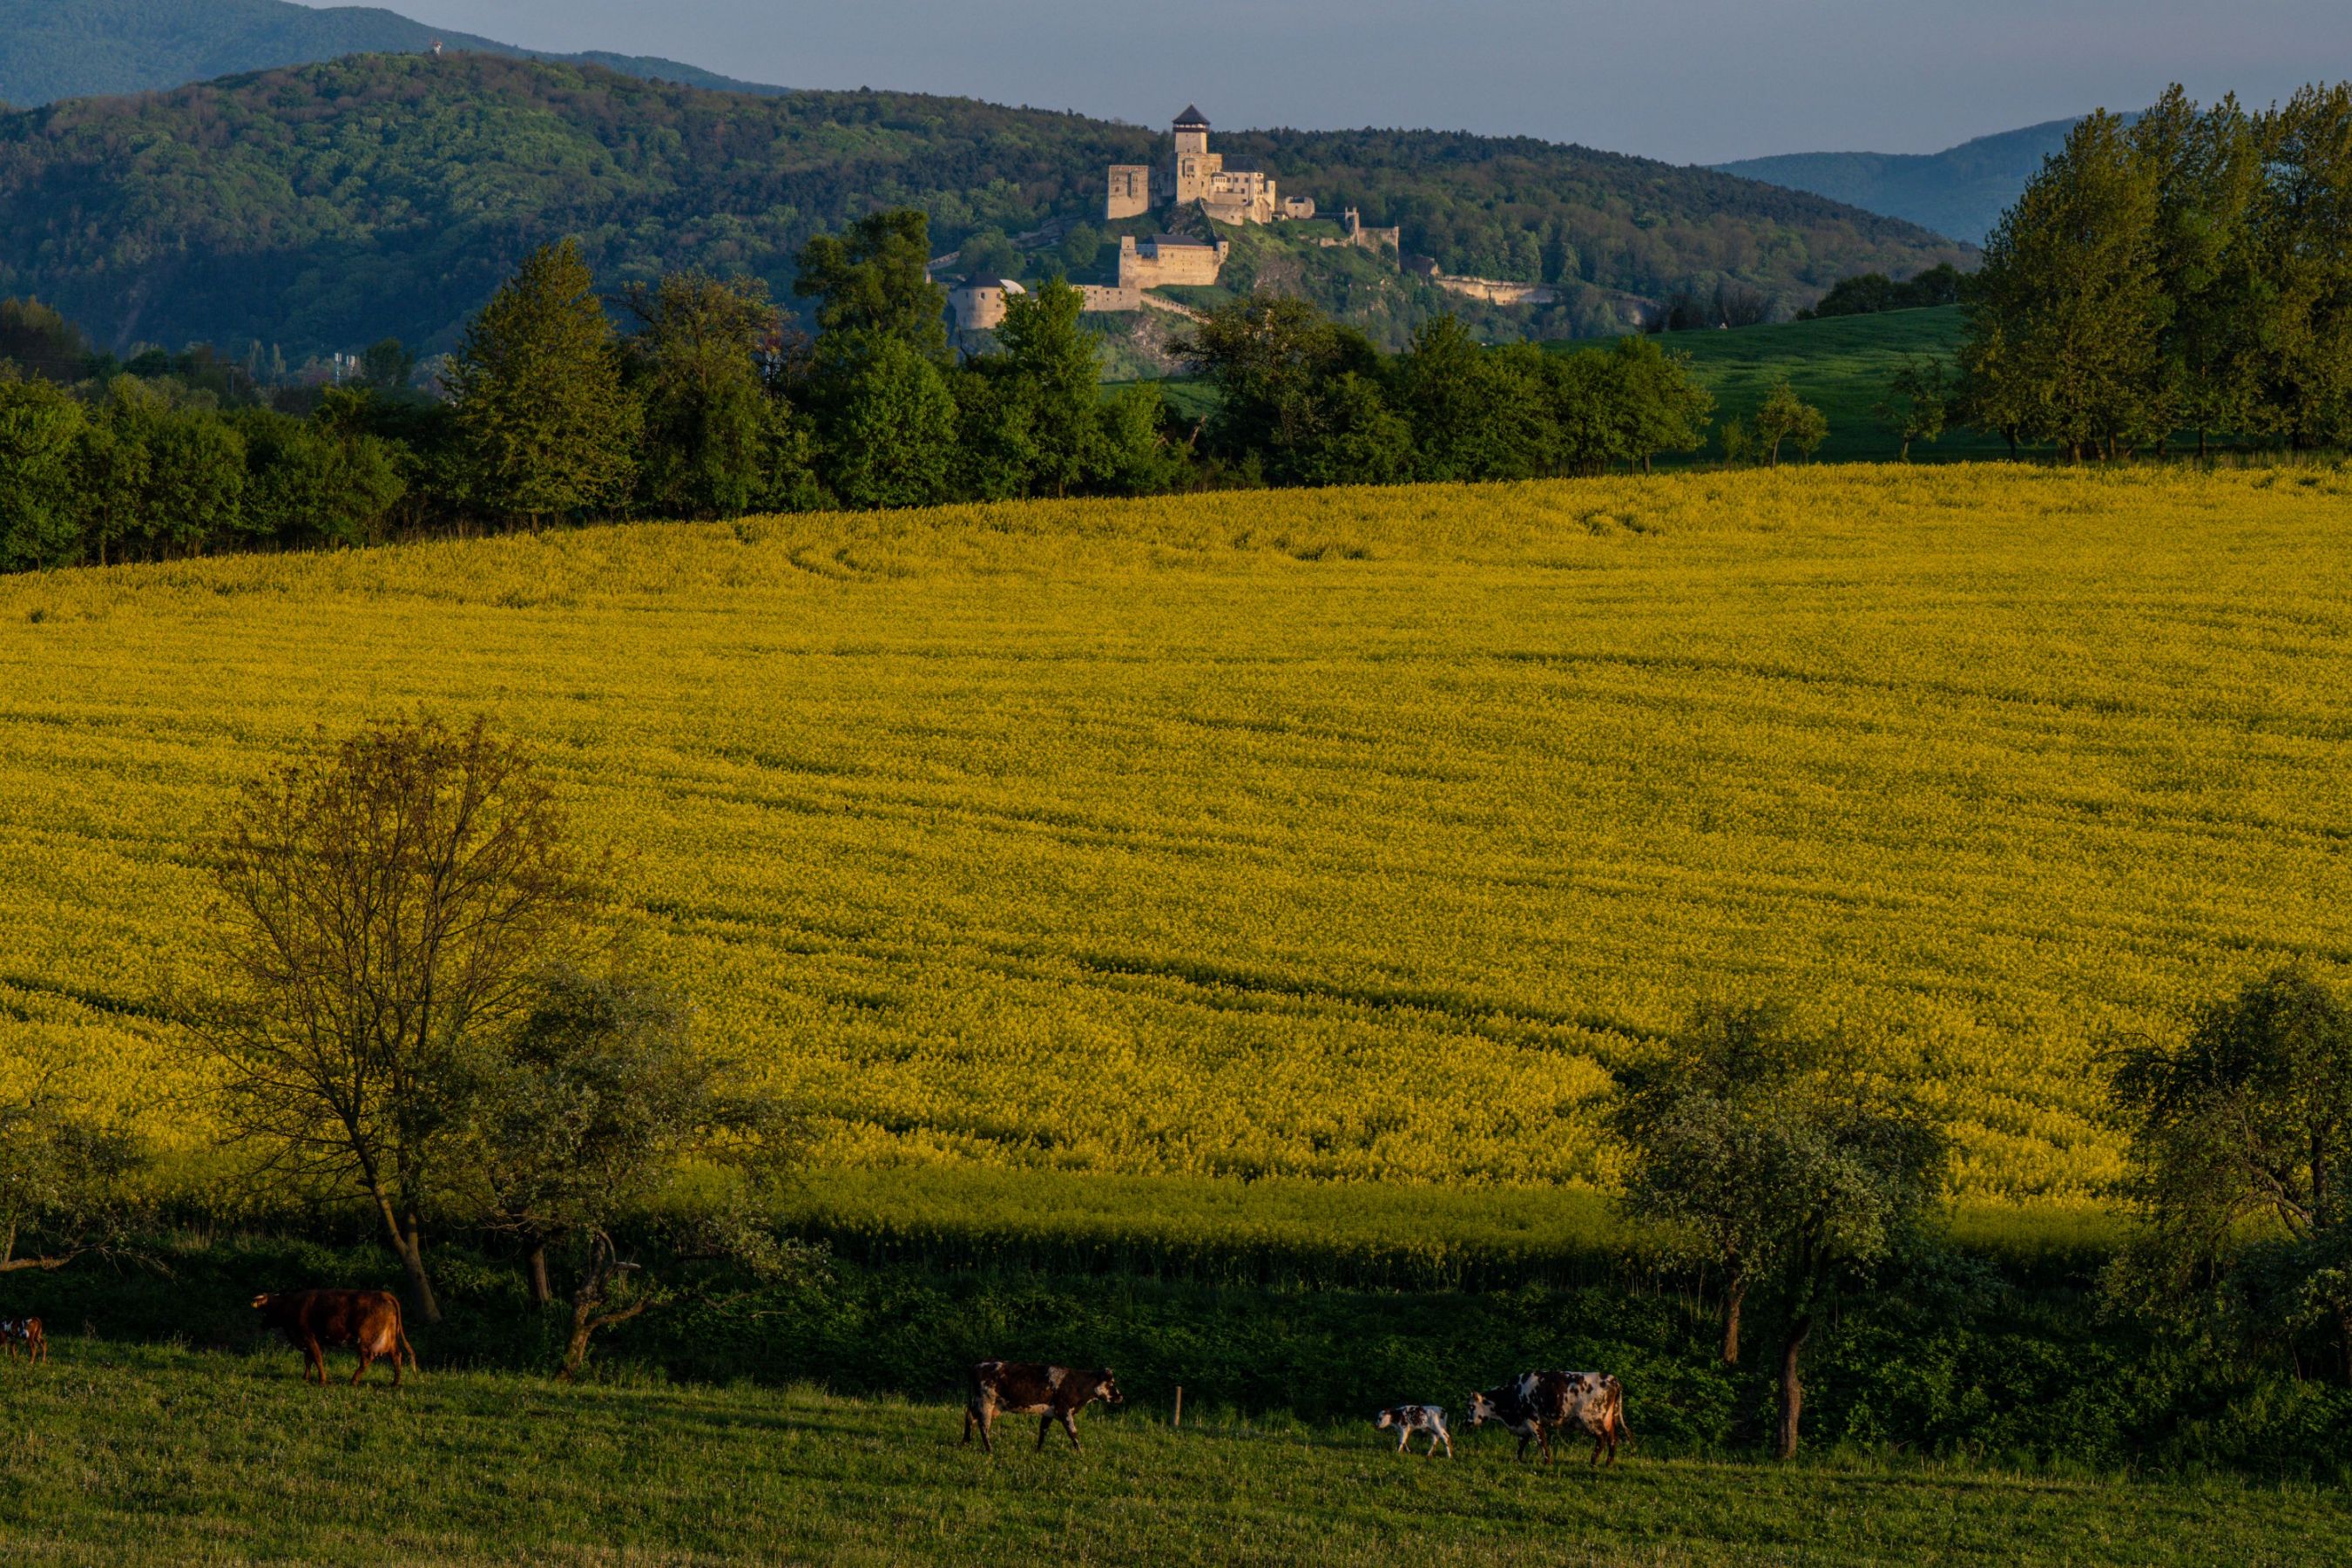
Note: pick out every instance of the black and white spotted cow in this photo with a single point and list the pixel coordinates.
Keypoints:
(1409, 1420)
(1538, 1404)
(1032, 1388)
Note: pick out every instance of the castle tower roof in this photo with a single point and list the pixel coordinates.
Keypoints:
(1192, 120)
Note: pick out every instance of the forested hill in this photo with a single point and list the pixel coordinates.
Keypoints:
(51, 49)
(328, 205)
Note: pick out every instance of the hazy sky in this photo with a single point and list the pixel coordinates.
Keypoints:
(1688, 80)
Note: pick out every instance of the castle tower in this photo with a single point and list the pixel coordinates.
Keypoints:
(1130, 192)
(1195, 165)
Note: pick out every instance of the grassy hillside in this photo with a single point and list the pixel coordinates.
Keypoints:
(1344, 833)
(1841, 366)
(326, 206)
(223, 1460)
(1961, 191)
(83, 48)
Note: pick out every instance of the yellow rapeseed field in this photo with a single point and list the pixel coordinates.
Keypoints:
(1349, 834)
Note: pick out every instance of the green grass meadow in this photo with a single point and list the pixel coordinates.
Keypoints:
(162, 1455)
(1840, 365)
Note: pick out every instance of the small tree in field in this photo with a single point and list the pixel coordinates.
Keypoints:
(1785, 416)
(385, 905)
(2241, 1168)
(65, 1176)
(1917, 402)
(1760, 1153)
(585, 1113)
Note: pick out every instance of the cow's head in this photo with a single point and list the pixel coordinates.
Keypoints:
(1385, 1419)
(1107, 1388)
(262, 1300)
(1484, 1408)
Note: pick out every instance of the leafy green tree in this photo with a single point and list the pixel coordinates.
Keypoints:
(996, 438)
(893, 436)
(1475, 413)
(1588, 418)
(1785, 416)
(1057, 366)
(1769, 1154)
(1274, 363)
(113, 473)
(1666, 408)
(575, 1122)
(67, 1187)
(2209, 171)
(2070, 297)
(989, 254)
(1081, 248)
(41, 431)
(1137, 459)
(40, 342)
(319, 479)
(1917, 403)
(715, 431)
(387, 366)
(2241, 1169)
(875, 281)
(546, 427)
(1359, 440)
(2304, 228)
(1738, 442)
(195, 477)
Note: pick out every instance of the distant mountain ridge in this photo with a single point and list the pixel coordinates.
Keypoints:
(1961, 191)
(52, 49)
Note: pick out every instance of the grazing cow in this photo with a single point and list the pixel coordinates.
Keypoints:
(1032, 1388)
(25, 1334)
(1408, 1419)
(315, 1320)
(1542, 1402)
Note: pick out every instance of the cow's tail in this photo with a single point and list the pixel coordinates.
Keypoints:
(402, 1332)
(1617, 1411)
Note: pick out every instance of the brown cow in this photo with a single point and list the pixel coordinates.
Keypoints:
(24, 1334)
(1033, 1388)
(314, 1320)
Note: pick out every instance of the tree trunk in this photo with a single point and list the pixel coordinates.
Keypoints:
(534, 1268)
(408, 1245)
(1793, 1388)
(1734, 1298)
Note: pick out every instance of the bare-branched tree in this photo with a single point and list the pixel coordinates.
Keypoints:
(385, 903)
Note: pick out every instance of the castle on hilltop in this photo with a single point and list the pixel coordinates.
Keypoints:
(1199, 177)
(1195, 177)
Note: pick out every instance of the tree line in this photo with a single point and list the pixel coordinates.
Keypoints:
(709, 407)
(2189, 273)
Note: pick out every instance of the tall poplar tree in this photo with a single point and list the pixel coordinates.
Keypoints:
(2070, 314)
(2304, 230)
(546, 427)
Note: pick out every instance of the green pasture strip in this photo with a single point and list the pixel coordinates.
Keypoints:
(1841, 365)
(164, 1455)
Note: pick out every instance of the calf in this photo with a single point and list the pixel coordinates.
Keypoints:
(317, 1321)
(1408, 1419)
(1030, 1388)
(1542, 1402)
(24, 1334)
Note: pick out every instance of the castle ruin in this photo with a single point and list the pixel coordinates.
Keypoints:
(1199, 177)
